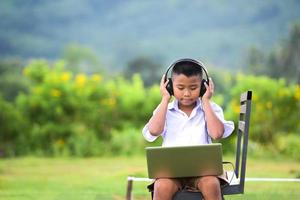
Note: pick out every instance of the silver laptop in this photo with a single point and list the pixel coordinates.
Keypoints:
(184, 161)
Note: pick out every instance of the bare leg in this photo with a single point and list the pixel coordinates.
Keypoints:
(164, 189)
(210, 187)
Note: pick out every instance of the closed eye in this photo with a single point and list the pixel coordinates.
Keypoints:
(194, 87)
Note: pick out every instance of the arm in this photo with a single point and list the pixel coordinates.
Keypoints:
(157, 122)
(214, 124)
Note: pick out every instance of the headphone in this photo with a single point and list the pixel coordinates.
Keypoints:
(199, 64)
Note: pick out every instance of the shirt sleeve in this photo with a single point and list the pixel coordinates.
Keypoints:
(146, 133)
(228, 125)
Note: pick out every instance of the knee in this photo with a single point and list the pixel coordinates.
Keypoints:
(208, 183)
(165, 185)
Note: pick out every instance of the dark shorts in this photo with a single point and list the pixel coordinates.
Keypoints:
(189, 183)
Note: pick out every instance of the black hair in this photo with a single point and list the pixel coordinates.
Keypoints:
(187, 68)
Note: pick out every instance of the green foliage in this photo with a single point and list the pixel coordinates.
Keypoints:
(135, 102)
(275, 107)
(223, 81)
(83, 115)
(78, 114)
(65, 110)
(13, 130)
(127, 141)
(289, 145)
(82, 142)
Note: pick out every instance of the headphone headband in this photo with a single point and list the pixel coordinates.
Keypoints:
(198, 63)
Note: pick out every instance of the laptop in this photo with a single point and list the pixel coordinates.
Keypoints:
(184, 161)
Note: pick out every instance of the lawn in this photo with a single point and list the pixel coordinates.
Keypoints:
(106, 178)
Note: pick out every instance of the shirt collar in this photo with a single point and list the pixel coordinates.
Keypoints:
(174, 105)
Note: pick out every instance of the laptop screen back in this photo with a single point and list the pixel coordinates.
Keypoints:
(184, 161)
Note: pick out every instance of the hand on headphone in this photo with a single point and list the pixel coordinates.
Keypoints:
(163, 90)
(209, 90)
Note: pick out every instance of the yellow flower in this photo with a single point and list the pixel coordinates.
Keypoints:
(235, 107)
(269, 105)
(65, 76)
(80, 79)
(55, 93)
(110, 102)
(297, 93)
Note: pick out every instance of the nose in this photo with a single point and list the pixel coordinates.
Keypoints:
(187, 93)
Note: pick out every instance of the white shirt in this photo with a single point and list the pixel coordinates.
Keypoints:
(180, 129)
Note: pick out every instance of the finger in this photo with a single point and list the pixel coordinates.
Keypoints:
(210, 81)
(166, 83)
(206, 85)
(162, 81)
(211, 84)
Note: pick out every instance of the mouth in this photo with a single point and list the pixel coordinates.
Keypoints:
(187, 100)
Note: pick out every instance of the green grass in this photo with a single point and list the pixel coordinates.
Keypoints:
(106, 178)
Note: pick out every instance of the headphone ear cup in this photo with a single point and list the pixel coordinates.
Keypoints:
(203, 88)
(169, 87)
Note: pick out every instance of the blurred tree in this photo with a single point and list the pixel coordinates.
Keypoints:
(256, 61)
(282, 62)
(11, 80)
(286, 60)
(81, 59)
(149, 69)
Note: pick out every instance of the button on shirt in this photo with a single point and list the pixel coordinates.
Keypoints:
(181, 129)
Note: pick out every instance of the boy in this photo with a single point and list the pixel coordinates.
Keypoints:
(188, 120)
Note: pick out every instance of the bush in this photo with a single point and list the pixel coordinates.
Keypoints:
(128, 141)
(289, 145)
(83, 115)
(79, 114)
(83, 142)
(275, 107)
(14, 130)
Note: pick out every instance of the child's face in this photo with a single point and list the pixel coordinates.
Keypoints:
(186, 89)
